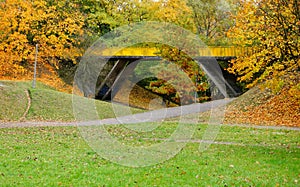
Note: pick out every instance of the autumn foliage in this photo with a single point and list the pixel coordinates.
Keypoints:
(180, 78)
(272, 29)
(54, 26)
(262, 107)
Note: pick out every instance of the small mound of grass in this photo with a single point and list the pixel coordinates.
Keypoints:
(13, 99)
(47, 104)
(50, 105)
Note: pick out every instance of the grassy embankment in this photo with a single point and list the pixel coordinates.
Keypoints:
(47, 104)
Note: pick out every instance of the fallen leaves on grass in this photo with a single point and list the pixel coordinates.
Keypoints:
(261, 107)
(139, 97)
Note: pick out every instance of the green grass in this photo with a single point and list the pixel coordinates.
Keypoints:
(13, 99)
(47, 104)
(238, 135)
(58, 156)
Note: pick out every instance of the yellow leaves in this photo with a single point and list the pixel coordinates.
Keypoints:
(275, 85)
(295, 92)
(25, 23)
(39, 4)
(270, 28)
(175, 11)
(278, 67)
(127, 12)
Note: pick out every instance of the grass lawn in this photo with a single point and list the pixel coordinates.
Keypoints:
(47, 104)
(13, 99)
(58, 156)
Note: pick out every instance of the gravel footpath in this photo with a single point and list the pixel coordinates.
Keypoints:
(151, 116)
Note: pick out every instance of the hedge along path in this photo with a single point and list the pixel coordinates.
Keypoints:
(28, 106)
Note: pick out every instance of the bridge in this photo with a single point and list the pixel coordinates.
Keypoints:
(125, 56)
(219, 53)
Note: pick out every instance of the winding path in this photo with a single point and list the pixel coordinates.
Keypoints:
(150, 116)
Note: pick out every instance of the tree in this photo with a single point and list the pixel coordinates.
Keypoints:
(212, 18)
(126, 12)
(97, 14)
(53, 25)
(176, 12)
(272, 29)
(179, 77)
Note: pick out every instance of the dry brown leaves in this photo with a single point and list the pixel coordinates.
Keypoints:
(45, 74)
(139, 97)
(261, 107)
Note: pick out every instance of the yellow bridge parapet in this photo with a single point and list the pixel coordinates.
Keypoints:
(154, 52)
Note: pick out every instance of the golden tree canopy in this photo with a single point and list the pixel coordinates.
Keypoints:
(54, 26)
(272, 29)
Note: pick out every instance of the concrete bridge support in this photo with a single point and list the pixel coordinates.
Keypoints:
(112, 76)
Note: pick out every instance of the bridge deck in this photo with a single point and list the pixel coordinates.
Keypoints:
(153, 53)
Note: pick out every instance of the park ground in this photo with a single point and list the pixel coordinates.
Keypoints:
(241, 155)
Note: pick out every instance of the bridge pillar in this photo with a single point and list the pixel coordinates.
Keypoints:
(114, 77)
(220, 86)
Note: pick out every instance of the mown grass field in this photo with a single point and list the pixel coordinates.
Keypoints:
(58, 156)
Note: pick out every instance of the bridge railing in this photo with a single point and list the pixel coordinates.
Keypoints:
(152, 51)
(224, 51)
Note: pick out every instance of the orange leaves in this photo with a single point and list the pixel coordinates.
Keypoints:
(26, 23)
(179, 77)
(264, 108)
(269, 26)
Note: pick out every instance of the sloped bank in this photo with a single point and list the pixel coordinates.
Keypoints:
(262, 107)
